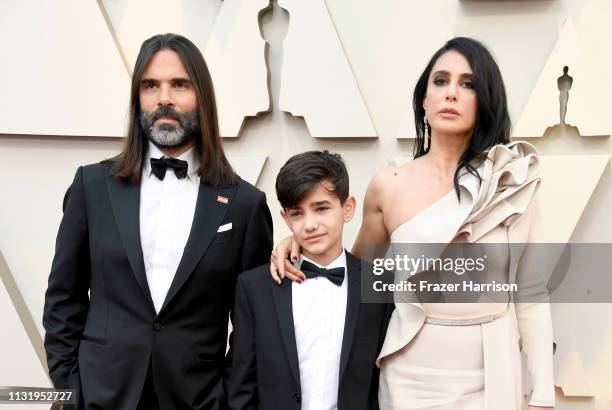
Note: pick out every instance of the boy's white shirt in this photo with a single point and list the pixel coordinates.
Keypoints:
(319, 312)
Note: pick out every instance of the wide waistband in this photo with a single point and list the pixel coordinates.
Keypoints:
(466, 322)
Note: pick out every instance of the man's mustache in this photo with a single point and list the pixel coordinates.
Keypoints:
(165, 112)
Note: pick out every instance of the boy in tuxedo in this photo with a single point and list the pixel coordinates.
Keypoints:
(309, 345)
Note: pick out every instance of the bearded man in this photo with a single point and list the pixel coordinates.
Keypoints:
(149, 247)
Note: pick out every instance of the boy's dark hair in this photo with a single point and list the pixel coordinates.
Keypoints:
(303, 172)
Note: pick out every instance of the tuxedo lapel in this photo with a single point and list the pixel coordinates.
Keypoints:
(353, 304)
(125, 200)
(284, 311)
(209, 213)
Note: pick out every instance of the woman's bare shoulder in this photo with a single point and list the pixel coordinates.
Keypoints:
(392, 173)
(384, 180)
(383, 176)
(387, 180)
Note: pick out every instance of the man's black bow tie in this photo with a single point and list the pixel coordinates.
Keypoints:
(159, 167)
(335, 275)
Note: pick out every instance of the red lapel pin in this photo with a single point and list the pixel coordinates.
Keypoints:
(222, 199)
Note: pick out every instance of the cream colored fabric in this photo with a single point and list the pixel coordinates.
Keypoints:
(498, 207)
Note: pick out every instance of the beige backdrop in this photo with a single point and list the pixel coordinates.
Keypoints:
(344, 69)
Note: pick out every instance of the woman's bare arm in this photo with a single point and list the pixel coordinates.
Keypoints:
(373, 229)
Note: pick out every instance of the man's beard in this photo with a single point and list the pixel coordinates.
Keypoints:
(167, 135)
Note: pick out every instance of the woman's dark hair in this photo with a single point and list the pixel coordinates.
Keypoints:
(492, 125)
(214, 169)
(303, 172)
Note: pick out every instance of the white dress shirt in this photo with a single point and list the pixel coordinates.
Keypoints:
(166, 214)
(319, 311)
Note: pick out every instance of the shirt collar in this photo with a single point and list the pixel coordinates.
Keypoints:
(339, 262)
(190, 156)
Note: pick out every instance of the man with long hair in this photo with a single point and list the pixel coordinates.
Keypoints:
(149, 247)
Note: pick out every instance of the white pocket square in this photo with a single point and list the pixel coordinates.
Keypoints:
(225, 227)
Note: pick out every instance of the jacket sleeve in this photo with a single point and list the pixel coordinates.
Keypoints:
(242, 384)
(258, 242)
(384, 323)
(66, 298)
(533, 315)
(256, 249)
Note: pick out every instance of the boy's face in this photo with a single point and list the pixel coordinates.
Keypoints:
(317, 223)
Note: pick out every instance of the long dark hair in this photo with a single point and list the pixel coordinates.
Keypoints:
(492, 125)
(214, 169)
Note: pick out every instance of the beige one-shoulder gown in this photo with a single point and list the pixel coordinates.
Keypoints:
(429, 366)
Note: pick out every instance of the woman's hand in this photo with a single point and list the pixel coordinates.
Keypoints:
(280, 266)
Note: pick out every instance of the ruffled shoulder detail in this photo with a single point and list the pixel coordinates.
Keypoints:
(510, 179)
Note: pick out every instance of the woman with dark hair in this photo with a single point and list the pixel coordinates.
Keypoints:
(468, 183)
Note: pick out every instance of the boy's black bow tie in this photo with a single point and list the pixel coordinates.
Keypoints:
(335, 275)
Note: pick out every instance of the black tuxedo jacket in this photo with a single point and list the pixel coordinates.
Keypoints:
(101, 344)
(265, 369)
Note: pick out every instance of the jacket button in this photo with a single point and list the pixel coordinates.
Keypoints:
(297, 396)
(157, 326)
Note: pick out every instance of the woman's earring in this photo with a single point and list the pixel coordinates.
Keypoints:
(426, 135)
